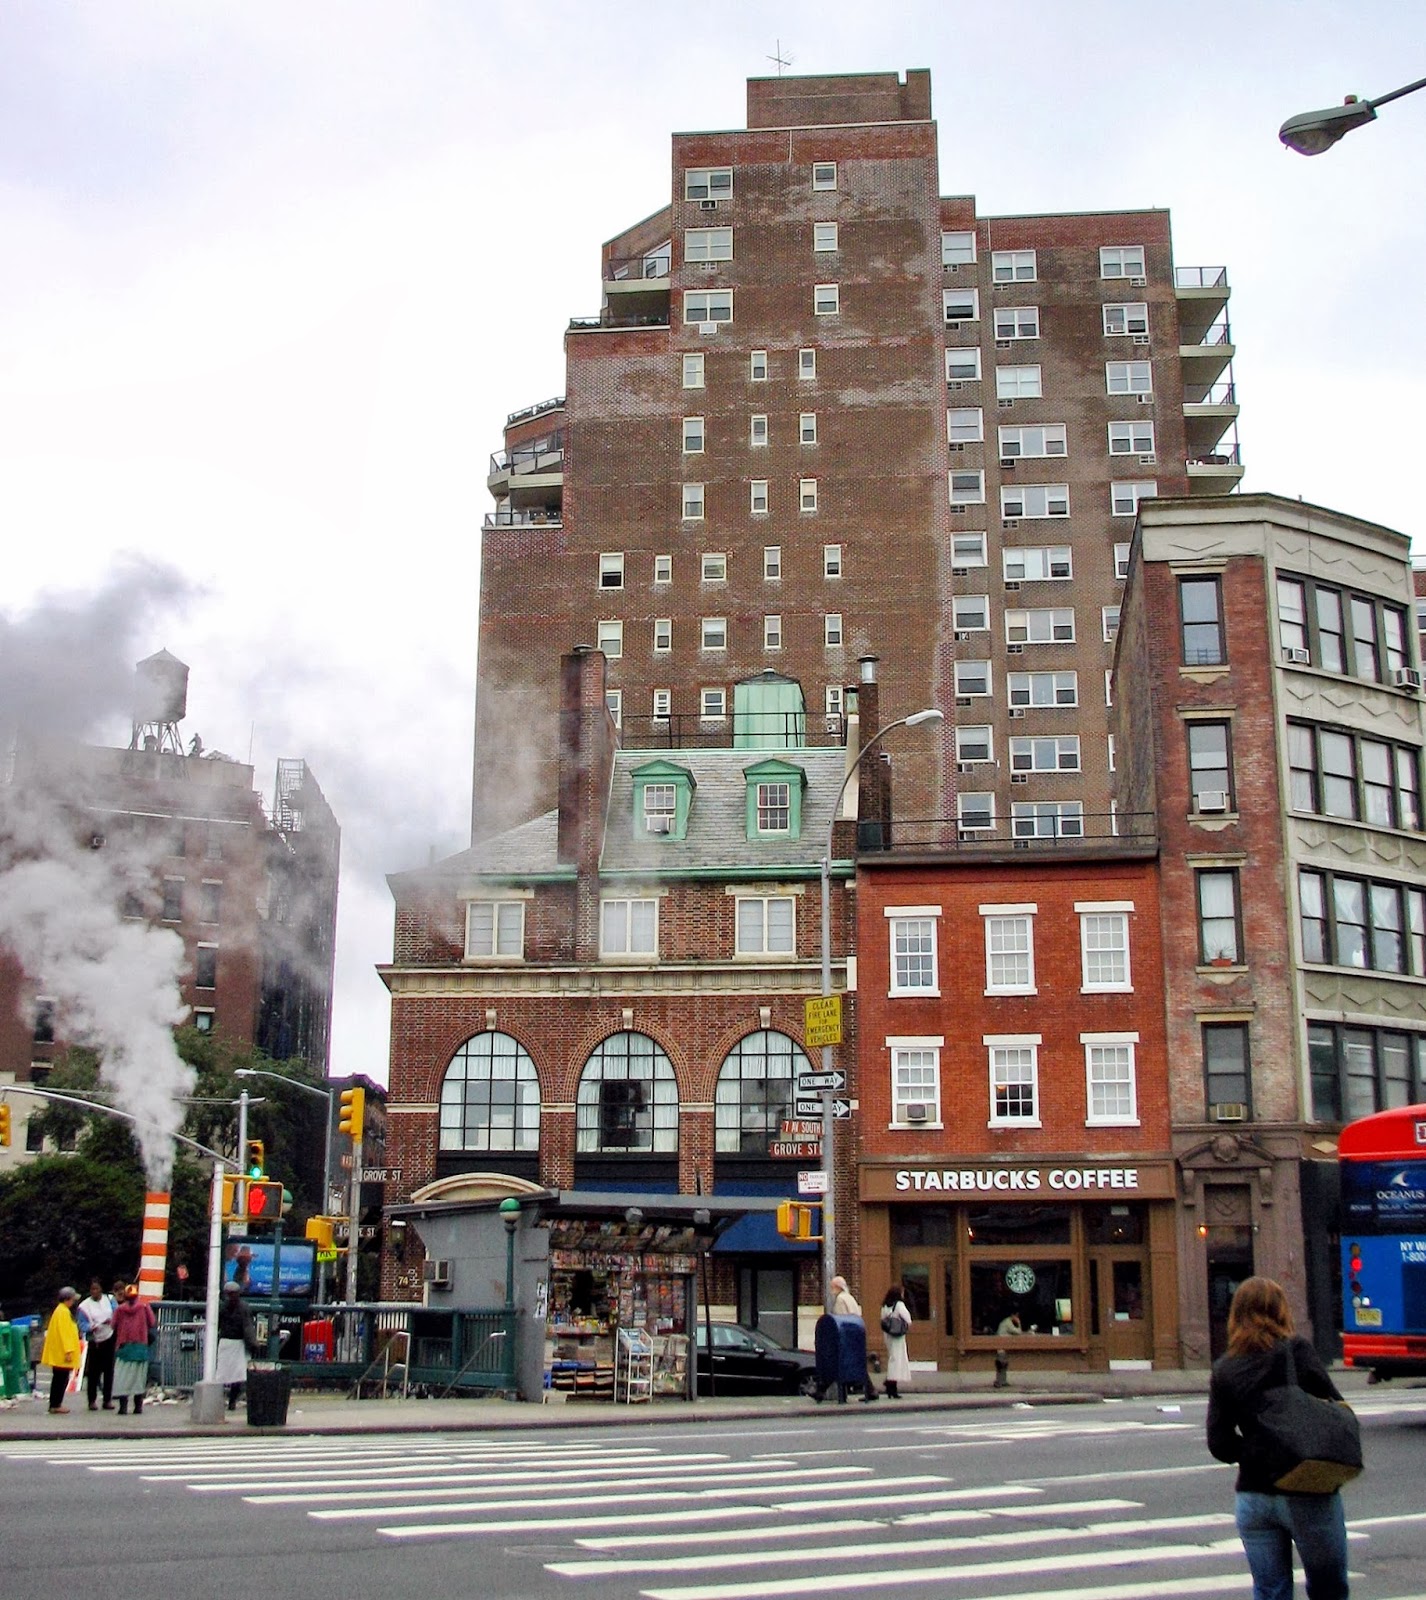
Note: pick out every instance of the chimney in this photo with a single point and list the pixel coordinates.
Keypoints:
(873, 776)
(586, 767)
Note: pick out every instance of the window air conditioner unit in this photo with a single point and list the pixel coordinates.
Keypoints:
(1015, 649)
(963, 634)
(1148, 461)
(1017, 711)
(915, 1111)
(1012, 586)
(1019, 777)
(1406, 678)
(1003, 344)
(1297, 655)
(1146, 399)
(960, 572)
(962, 699)
(833, 725)
(1022, 844)
(660, 822)
(707, 205)
(958, 511)
(955, 383)
(965, 835)
(1141, 338)
(1213, 800)
(1009, 522)
(1229, 1111)
(1007, 462)
(437, 1274)
(956, 448)
(709, 266)
(707, 327)
(1139, 283)
(1005, 405)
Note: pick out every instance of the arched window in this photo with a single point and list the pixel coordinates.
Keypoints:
(628, 1098)
(756, 1085)
(490, 1096)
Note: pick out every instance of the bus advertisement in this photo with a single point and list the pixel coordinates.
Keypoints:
(1383, 1167)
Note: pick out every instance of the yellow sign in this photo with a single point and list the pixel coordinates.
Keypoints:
(823, 1020)
(326, 1255)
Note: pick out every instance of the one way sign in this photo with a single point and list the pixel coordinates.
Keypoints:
(813, 1108)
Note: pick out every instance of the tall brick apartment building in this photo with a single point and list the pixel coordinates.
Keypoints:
(1270, 715)
(824, 409)
(188, 846)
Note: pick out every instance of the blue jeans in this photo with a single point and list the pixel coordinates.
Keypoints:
(1270, 1524)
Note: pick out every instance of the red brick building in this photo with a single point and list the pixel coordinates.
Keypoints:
(825, 409)
(1269, 714)
(1013, 1147)
(611, 996)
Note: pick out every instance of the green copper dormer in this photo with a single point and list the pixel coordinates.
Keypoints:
(775, 799)
(663, 796)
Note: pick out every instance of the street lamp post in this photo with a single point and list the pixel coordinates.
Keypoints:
(917, 719)
(1311, 132)
(324, 1094)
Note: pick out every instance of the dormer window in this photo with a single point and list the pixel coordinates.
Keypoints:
(774, 804)
(663, 796)
(495, 930)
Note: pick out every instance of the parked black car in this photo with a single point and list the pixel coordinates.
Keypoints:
(746, 1361)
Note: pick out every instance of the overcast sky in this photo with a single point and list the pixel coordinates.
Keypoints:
(271, 276)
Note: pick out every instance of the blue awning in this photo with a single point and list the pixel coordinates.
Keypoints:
(756, 1233)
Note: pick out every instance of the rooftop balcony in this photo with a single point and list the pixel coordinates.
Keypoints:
(618, 317)
(1041, 834)
(530, 473)
(508, 516)
(1202, 298)
(556, 403)
(1216, 471)
(1209, 411)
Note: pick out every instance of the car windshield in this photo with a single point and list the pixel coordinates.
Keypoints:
(733, 1336)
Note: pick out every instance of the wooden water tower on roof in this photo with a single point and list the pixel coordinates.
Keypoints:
(160, 703)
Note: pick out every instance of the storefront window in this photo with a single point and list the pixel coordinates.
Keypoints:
(1037, 1293)
(915, 1226)
(755, 1092)
(628, 1098)
(1019, 1225)
(1114, 1224)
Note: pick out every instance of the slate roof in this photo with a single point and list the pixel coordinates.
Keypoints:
(717, 823)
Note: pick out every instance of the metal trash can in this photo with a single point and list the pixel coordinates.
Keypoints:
(840, 1343)
(269, 1389)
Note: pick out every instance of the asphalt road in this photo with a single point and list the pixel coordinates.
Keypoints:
(1112, 1501)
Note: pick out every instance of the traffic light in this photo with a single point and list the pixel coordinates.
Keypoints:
(264, 1201)
(231, 1196)
(4, 1126)
(353, 1112)
(321, 1231)
(794, 1221)
(256, 1159)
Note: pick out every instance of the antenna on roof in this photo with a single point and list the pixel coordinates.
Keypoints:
(778, 59)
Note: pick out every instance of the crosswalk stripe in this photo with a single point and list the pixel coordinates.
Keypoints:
(347, 1480)
(897, 1576)
(235, 1473)
(797, 1530)
(694, 1474)
(877, 1550)
(1130, 1475)
(682, 1518)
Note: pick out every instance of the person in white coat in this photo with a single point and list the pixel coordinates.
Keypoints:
(895, 1324)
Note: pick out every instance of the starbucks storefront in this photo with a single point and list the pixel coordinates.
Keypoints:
(1069, 1265)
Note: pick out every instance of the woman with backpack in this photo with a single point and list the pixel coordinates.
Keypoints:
(895, 1324)
(1263, 1355)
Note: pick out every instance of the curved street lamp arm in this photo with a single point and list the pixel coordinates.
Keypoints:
(125, 1116)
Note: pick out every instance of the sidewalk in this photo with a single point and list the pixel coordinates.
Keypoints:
(320, 1412)
(316, 1412)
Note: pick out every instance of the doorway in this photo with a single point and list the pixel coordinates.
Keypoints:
(1230, 1261)
(767, 1301)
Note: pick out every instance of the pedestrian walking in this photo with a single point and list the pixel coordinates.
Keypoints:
(896, 1324)
(95, 1317)
(235, 1334)
(1260, 1343)
(62, 1349)
(134, 1325)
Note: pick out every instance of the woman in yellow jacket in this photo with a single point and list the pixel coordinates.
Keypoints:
(62, 1350)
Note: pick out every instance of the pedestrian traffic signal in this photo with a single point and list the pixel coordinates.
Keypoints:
(794, 1221)
(256, 1159)
(321, 1231)
(264, 1201)
(232, 1200)
(4, 1126)
(353, 1112)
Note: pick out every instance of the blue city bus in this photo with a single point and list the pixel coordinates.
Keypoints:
(1383, 1168)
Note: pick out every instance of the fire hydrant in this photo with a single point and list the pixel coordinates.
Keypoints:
(1002, 1369)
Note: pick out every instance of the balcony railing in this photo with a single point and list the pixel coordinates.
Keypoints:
(554, 404)
(1221, 455)
(621, 319)
(1200, 277)
(618, 269)
(1216, 394)
(1219, 333)
(783, 730)
(544, 455)
(1045, 833)
(514, 517)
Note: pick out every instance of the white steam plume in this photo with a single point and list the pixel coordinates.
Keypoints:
(64, 668)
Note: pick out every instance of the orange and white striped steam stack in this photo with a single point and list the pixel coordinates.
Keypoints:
(153, 1253)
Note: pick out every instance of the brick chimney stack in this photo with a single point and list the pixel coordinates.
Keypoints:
(874, 774)
(586, 767)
